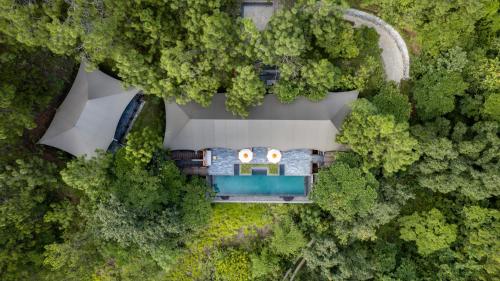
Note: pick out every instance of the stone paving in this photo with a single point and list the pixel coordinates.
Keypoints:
(297, 162)
(394, 51)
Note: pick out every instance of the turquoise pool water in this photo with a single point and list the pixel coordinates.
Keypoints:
(259, 185)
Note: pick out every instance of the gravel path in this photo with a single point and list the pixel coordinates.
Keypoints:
(394, 51)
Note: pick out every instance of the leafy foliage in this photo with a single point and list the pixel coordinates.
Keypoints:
(481, 244)
(440, 25)
(435, 93)
(25, 192)
(138, 218)
(232, 265)
(492, 106)
(141, 146)
(146, 208)
(391, 102)
(247, 90)
(287, 239)
(345, 192)
(464, 160)
(29, 79)
(378, 138)
(429, 230)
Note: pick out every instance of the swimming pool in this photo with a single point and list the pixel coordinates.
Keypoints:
(259, 185)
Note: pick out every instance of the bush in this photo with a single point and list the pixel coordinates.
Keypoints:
(287, 239)
(232, 265)
(391, 101)
(141, 145)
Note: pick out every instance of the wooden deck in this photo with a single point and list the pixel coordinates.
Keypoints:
(329, 157)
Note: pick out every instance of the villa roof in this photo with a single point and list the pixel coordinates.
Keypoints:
(298, 125)
(88, 117)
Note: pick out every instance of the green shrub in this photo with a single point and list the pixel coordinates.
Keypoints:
(491, 106)
(287, 239)
(391, 101)
(232, 265)
(141, 145)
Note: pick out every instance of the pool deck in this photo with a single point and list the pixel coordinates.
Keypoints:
(296, 162)
(262, 199)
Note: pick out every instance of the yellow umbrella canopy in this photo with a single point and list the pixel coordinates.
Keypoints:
(273, 156)
(245, 155)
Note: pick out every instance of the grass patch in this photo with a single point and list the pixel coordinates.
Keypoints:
(152, 115)
(245, 169)
(272, 169)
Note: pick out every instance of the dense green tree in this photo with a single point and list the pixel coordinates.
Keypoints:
(328, 27)
(195, 207)
(141, 145)
(463, 160)
(481, 245)
(311, 65)
(345, 192)
(29, 79)
(14, 122)
(429, 230)
(150, 208)
(378, 138)
(357, 261)
(492, 106)
(390, 101)
(26, 191)
(247, 90)
(355, 204)
(285, 37)
(435, 93)
(287, 239)
(265, 264)
(439, 25)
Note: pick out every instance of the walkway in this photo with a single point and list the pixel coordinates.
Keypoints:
(394, 51)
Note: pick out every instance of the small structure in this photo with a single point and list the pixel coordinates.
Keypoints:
(88, 117)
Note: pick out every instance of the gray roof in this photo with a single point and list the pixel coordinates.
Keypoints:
(88, 117)
(298, 125)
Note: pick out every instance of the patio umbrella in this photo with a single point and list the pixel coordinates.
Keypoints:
(273, 156)
(245, 155)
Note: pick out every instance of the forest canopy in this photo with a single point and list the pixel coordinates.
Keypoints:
(189, 50)
(414, 198)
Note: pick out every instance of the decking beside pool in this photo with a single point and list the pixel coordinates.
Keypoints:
(296, 162)
(262, 199)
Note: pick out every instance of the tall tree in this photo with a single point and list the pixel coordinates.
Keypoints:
(378, 138)
(429, 230)
(434, 93)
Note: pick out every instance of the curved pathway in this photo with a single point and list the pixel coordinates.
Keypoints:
(394, 51)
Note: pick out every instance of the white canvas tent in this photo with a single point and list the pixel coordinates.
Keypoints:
(88, 117)
(302, 124)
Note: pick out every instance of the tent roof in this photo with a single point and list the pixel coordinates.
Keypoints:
(87, 118)
(301, 124)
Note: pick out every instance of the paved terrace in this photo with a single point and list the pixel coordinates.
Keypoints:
(297, 162)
